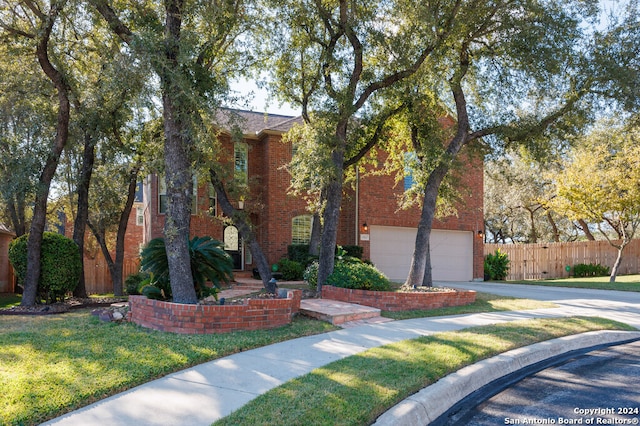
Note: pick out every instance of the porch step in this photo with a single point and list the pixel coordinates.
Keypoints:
(242, 274)
(247, 282)
(338, 313)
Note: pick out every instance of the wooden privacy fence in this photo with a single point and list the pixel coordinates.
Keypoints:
(97, 277)
(550, 260)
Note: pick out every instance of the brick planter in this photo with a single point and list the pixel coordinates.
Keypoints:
(394, 301)
(206, 319)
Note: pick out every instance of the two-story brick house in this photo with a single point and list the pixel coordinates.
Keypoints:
(369, 216)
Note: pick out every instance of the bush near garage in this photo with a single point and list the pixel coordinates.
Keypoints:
(350, 274)
(496, 265)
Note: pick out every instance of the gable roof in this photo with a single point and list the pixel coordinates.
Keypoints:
(5, 230)
(252, 123)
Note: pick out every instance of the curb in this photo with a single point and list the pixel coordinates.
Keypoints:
(432, 404)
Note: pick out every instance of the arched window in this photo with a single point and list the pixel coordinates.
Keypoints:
(301, 229)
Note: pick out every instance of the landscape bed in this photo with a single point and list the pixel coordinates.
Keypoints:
(204, 319)
(400, 301)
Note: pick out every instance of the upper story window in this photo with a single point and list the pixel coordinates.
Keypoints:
(162, 195)
(410, 159)
(241, 167)
(301, 229)
(139, 197)
(139, 216)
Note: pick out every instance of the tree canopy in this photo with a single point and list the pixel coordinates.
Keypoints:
(601, 184)
(504, 73)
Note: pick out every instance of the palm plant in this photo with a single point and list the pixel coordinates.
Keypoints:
(209, 262)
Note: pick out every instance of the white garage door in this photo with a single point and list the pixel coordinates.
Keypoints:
(451, 252)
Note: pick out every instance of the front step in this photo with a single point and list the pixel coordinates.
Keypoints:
(335, 312)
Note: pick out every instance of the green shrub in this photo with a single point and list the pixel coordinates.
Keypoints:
(290, 269)
(299, 253)
(496, 265)
(209, 262)
(354, 275)
(133, 282)
(591, 270)
(60, 264)
(310, 275)
(352, 251)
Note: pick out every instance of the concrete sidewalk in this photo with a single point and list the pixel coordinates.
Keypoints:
(210, 391)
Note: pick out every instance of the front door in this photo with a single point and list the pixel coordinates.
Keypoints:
(233, 246)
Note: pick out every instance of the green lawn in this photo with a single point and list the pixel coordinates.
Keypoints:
(622, 283)
(53, 364)
(357, 389)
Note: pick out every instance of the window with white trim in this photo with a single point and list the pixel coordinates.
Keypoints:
(301, 229)
(139, 216)
(241, 165)
(162, 195)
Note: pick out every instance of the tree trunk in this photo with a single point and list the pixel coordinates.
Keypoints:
(585, 228)
(34, 242)
(315, 240)
(80, 224)
(616, 265)
(16, 207)
(244, 228)
(331, 212)
(117, 272)
(177, 145)
(554, 227)
(316, 235)
(177, 163)
(420, 272)
(100, 235)
(533, 235)
(618, 262)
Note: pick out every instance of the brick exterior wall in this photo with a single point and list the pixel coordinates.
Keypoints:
(256, 314)
(393, 301)
(378, 205)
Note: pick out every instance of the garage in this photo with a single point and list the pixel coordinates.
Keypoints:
(451, 252)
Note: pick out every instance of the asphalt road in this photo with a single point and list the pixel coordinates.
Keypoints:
(601, 387)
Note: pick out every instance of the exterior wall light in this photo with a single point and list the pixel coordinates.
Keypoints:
(365, 227)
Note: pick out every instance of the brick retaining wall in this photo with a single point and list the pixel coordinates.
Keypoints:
(206, 319)
(394, 301)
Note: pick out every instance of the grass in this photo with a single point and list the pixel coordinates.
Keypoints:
(50, 365)
(622, 283)
(8, 300)
(485, 302)
(357, 389)
(53, 364)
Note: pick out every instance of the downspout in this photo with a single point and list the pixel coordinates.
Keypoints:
(357, 215)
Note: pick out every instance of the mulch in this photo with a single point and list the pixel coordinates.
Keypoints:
(62, 307)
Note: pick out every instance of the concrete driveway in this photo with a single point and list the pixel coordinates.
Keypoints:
(623, 306)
